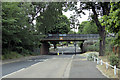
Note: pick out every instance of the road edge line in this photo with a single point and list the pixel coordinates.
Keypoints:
(13, 72)
(102, 72)
(22, 69)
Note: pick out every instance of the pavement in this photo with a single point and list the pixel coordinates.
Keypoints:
(81, 68)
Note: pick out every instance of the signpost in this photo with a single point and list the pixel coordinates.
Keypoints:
(75, 47)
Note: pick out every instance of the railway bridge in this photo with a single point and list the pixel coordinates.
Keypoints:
(65, 37)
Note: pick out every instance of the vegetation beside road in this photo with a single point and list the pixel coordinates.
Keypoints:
(110, 71)
(23, 24)
(107, 72)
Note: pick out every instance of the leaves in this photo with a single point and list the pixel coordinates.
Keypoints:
(88, 27)
(16, 29)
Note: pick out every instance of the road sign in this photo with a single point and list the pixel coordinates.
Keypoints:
(61, 38)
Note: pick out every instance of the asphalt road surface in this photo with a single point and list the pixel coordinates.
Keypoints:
(12, 67)
(53, 66)
(67, 50)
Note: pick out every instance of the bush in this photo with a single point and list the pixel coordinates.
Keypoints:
(92, 47)
(91, 55)
(114, 60)
(25, 52)
(11, 55)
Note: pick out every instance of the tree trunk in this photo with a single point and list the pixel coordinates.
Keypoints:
(102, 42)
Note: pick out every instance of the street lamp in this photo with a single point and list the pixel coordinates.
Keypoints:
(75, 39)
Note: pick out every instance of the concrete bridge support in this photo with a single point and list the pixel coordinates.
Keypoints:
(44, 49)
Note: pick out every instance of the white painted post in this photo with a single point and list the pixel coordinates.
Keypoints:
(101, 62)
(106, 65)
(62, 52)
(94, 59)
(115, 70)
(97, 61)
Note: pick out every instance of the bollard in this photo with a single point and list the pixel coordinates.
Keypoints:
(58, 53)
(101, 62)
(106, 65)
(115, 70)
(62, 52)
(97, 61)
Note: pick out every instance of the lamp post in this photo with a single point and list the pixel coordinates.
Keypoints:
(75, 39)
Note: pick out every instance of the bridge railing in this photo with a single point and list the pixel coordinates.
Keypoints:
(73, 35)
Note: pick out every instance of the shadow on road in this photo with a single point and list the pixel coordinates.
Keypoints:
(67, 53)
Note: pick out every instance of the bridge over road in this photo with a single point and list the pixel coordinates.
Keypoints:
(70, 37)
(65, 37)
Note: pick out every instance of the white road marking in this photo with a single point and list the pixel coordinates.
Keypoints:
(67, 70)
(22, 69)
(13, 73)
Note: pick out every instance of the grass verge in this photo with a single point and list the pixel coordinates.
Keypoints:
(110, 71)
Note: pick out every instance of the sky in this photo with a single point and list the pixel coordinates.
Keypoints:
(83, 17)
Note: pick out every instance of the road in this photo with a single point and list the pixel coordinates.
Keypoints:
(67, 49)
(53, 66)
(15, 66)
(12, 67)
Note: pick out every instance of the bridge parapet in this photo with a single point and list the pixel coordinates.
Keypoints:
(69, 37)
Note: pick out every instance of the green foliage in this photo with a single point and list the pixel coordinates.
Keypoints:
(92, 47)
(113, 20)
(17, 29)
(64, 43)
(71, 32)
(88, 27)
(91, 55)
(109, 45)
(61, 25)
(11, 55)
(114, 60)
(49, 19)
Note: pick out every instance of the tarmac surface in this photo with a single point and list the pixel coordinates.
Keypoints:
(53, 66)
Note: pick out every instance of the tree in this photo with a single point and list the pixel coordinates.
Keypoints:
(113, 21)
(46, 20)
(98, 9)
(16, 28)
(71, 32)
(87, 27)
(51, 20)
(61, 26)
